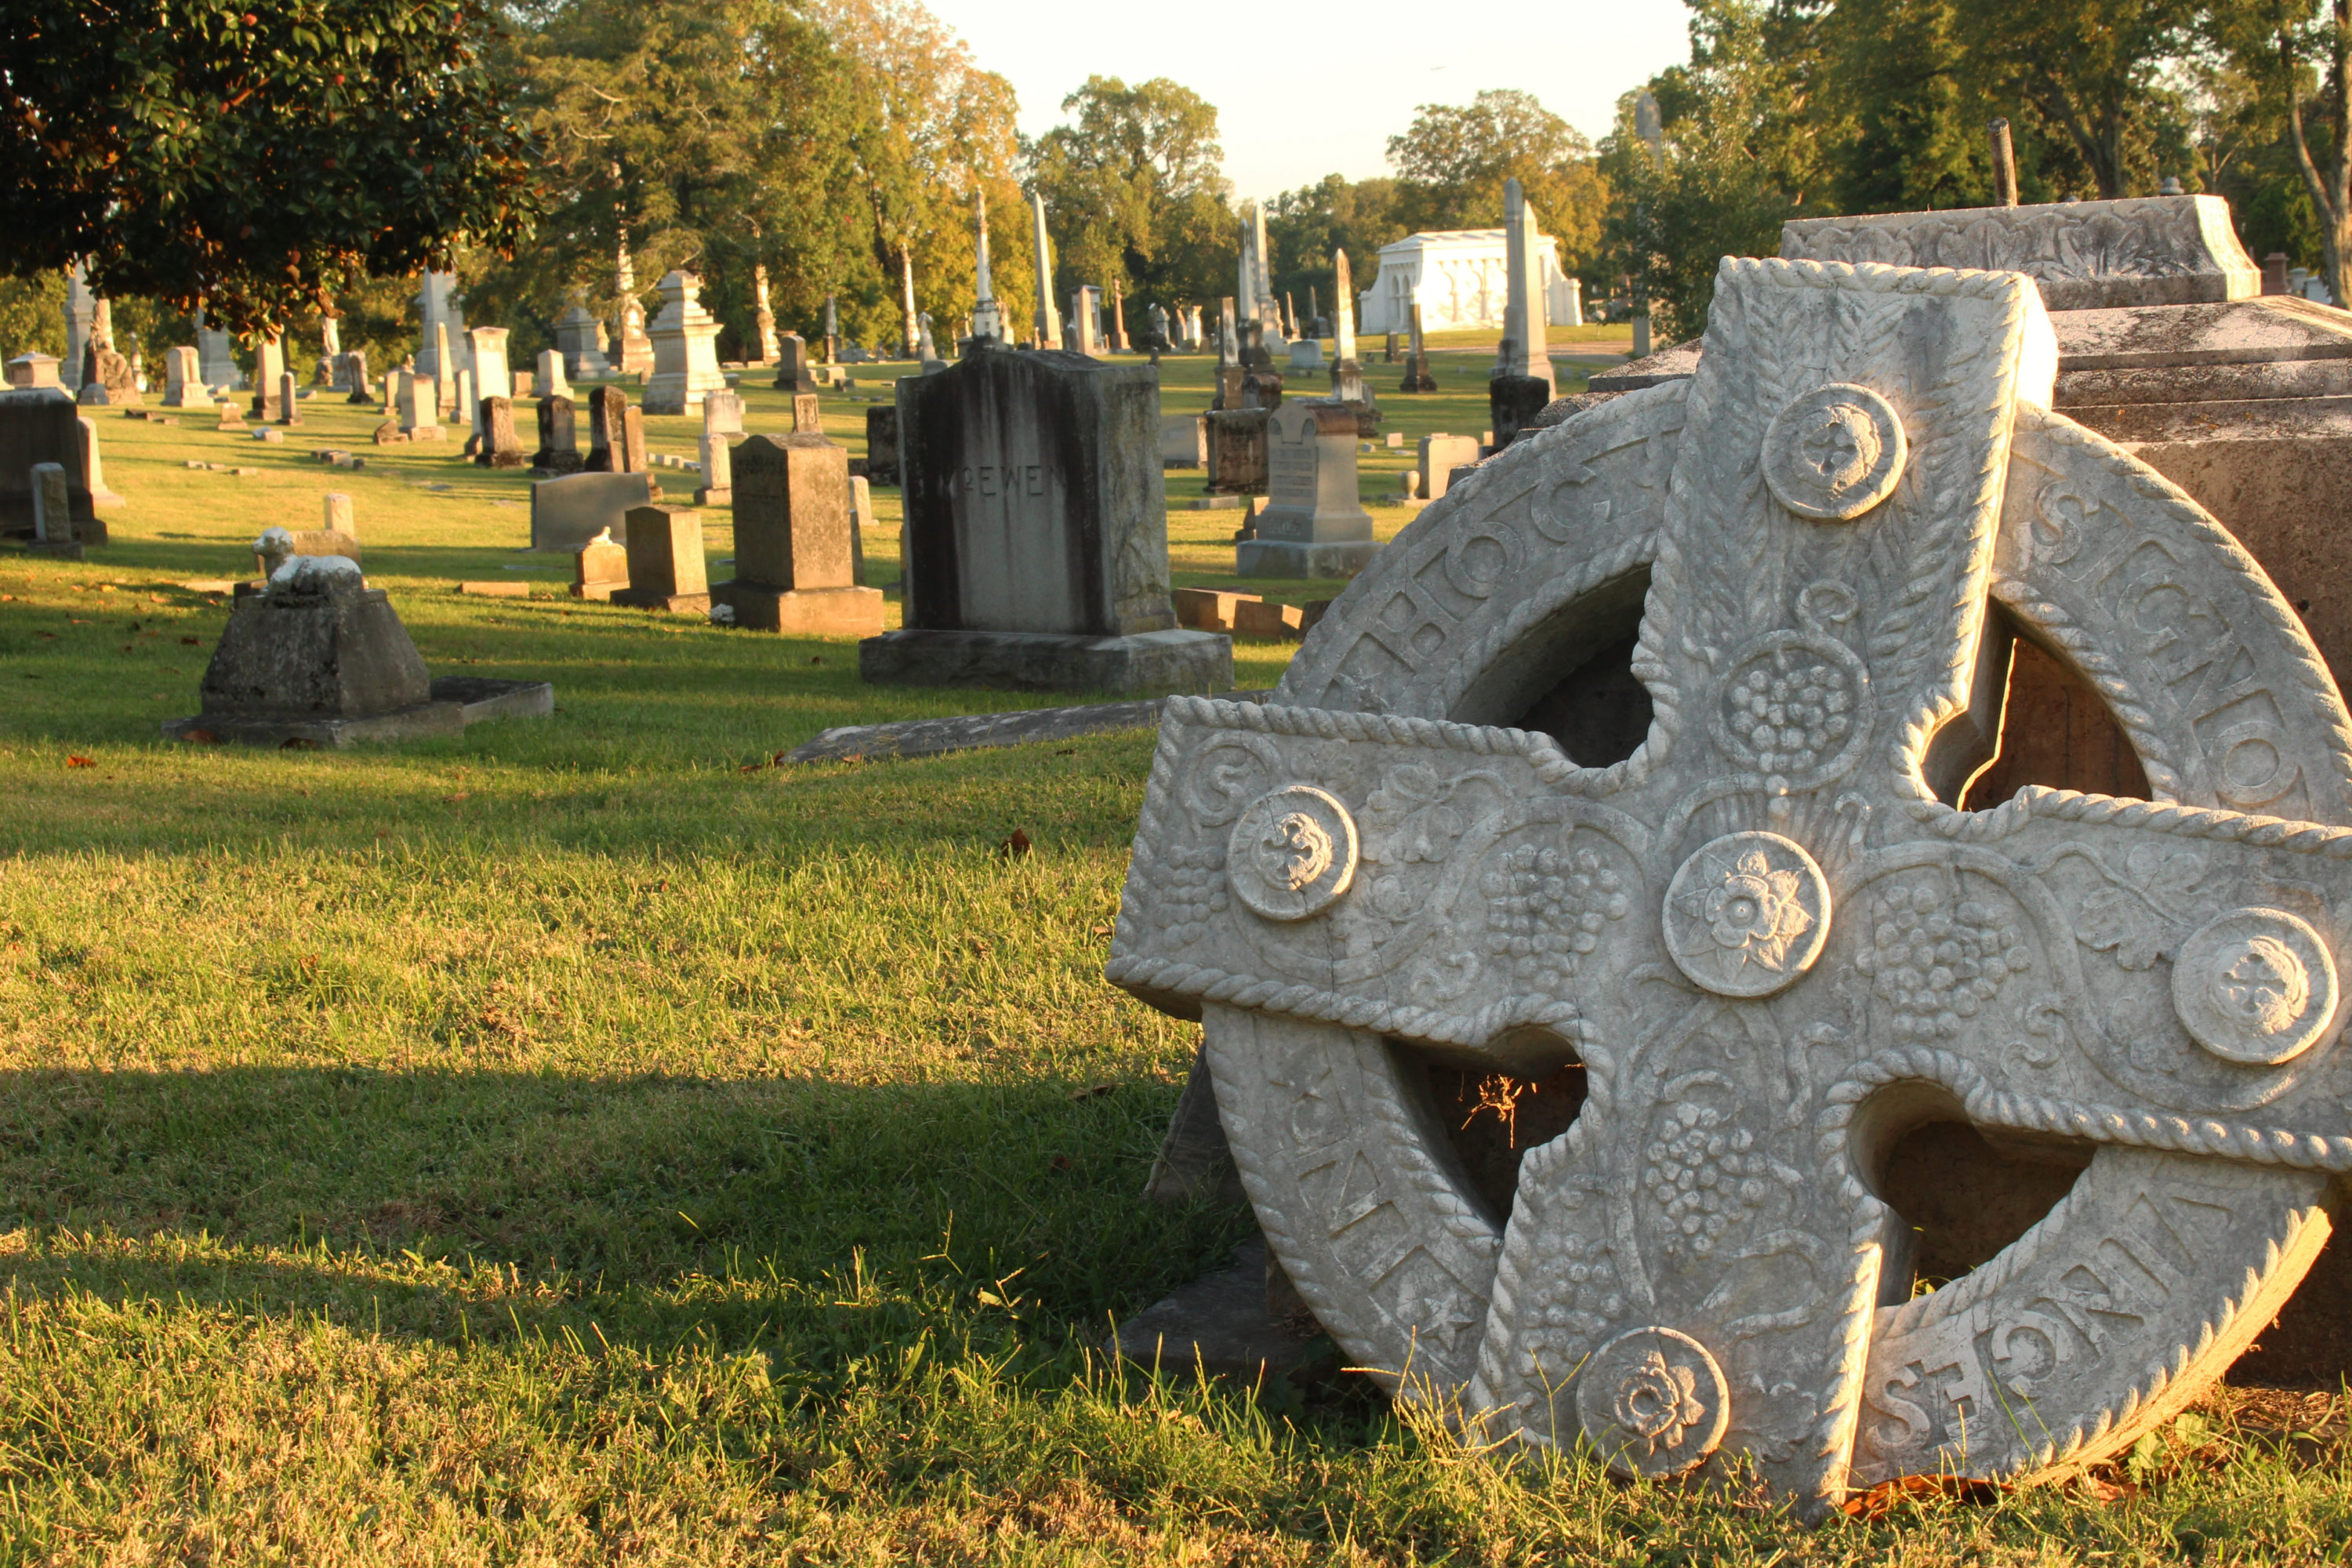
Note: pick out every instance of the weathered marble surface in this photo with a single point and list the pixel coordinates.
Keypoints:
(1769, 939)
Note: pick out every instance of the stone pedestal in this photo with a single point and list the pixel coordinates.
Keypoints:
(792, 364)
(799, 565)
(1313, 525)
(666, 563)
(500, 448)
(633, 351)
(420, 408)
(580, 340)
(268, 365)
(686, 349)
(1237, 439)
(1036, 533)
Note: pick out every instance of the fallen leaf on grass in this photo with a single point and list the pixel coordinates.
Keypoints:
(1092, 1090)
(1067, 752)
(1015, 847)
(1887, 1496)
(454, 799)
(2098, 1491)
(52, 636)
(201, 738)
(1061, 1162)
(816, 659)
(80, 763)
(188, 642)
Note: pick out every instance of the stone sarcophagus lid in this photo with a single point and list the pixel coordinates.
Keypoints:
(1767, 930)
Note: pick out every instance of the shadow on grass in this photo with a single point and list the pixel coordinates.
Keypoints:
(822, 1218)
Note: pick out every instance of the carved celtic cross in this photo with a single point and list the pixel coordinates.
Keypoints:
(1768, 935)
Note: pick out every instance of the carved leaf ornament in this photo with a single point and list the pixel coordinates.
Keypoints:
(1769, 939)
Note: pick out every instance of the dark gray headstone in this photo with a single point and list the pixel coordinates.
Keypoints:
(606, 406)
(792, 364)
(38, 426)
(799, 565)
(567, 512)
(1237, 452)
(882, 446)
(1513, 403)
(500, 448)
(558, 443)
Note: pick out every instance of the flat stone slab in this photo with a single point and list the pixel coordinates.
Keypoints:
(423, 721)
(481, 697)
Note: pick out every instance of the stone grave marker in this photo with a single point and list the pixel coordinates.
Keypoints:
(1759, 939)
(792, 364)
(1313, 525)
(1417, 377)
(269, 370)
(93, 476)
(55, 531)
(666, 563)
(607, 407)
(882, 444)
(356, 376)
(1307, 354)
(1237, 439)
(629, 451)
(550, 381)
(601, 569)
(420, 408)
(40, 424)
(231, 419)
(289, 405)
(568, 512)
(798, 564)
(861, 510)
(1183, 441)
(559, 442)
(686, 349)
(717, 463)
(182, 388)
(580, 340)
(808, 419)
(31, 372)
(1036, 533)
(1438, 457)
(501, 448)
(723, 410)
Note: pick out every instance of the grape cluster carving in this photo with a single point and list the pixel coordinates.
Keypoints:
(1938, 964)
(1546, 909)
(1705, 1178)
(1192, 889)
(1789, 711)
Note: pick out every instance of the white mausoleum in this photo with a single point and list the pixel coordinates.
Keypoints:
(1459, 279)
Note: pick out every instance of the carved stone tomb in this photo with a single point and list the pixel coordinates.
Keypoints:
(1763, 937)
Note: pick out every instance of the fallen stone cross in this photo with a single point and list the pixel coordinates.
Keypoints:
(1766, 941)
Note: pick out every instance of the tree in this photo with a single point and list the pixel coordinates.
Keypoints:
(1453, 161)
(258, 155)
(2295, 52)
(1304, 227)
(1135, 193)
(2093, 76)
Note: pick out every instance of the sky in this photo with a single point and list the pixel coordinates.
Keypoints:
(1286, 117)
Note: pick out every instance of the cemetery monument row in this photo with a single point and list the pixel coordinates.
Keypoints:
(1765, 939)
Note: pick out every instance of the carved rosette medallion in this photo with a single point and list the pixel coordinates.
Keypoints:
(1293, 853)
(2255, 985)
(1747, 914)
(1653, 1402)
(1834, 453)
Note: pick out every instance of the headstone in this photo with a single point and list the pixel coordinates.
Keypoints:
(601, 569)
(269, 374)
(1036, 533)
(580, 342)
(718, 488)
(493, 376)
(216, 358)
(629, 448)
(330, 355)
(607, 410)
(1438, 457)
(184, 385)
(1348, 384)
(832, 330)
(723, 410)
(441, 349)
(559, 442)
(356, 376)
(1313, 525)
(686, 349)
(549, 381)
(81, 315)
(791, 364)
(441, 367)
(1041, 248)
(568, 512)
(466, 412)
(633, 351)
(55, 532)
(808, 419)
(861, 509)
(1231, 373)
(420, 408)
(501, 448)
(109, 380)
(39, 424)
(882, 444)
(1792, 1042)
(1083, 315)
(666, 565)
(1183, 441)
(231, 416)
(289, 405)
(1513, 403)
(799, 566)
(1526, 351)
(1237, 454)
(93, 476)
(2274, 272)
(1307, 354)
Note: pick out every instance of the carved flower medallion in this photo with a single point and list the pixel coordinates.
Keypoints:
(2255, 985)
(1747, 914)
(1293, 853)
(1834, 453)
(1653, 1402)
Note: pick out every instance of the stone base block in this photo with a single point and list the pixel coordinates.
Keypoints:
(58, 549)
(1226, 1325)
(1282, 558)
(723, 496)
(480, 697)
(675, 604)
(425, 721)
(1144, 664)
(803, 611)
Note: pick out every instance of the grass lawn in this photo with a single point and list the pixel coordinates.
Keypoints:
(579, 1143)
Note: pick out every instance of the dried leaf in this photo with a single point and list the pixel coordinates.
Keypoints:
(188, 642)
(1015, 846)
(80, 763)
(1887, 1496)
(1092, 1090)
